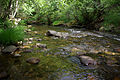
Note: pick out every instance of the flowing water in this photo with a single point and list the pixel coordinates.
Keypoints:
(60, 60)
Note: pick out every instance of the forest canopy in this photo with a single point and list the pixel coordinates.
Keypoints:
(91, 14)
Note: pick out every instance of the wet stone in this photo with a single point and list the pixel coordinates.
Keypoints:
(28, 30)
(19, 43)
(39, 39)
(80, 53)
(17, 55)
(29, 42)
(26, 39)
(29, 26)
(9, 49)
(39, 45)
(51, 33)
(24, 44)
(57, 34)
(33, 60)
(30, 39)
(86, 60)
(27, 51)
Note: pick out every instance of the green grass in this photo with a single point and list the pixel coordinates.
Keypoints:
(11, 35)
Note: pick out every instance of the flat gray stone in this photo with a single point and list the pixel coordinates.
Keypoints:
(57, 34)
(9, 49)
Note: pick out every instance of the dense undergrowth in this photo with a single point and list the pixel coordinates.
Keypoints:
(100, 14)
(103, 15)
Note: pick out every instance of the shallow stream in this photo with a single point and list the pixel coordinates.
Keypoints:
(60, 60)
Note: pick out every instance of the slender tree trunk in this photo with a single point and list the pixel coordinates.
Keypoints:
(49, 20)
(14, 9)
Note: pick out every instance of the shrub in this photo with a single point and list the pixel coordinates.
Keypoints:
(23, 22)
(11, 35)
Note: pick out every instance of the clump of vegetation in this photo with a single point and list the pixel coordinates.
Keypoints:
(56, 23)
(112, 20)
(11, 35)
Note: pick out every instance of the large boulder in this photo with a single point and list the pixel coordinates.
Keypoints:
(86, 60)
(57, 34)
(51, 33)
(9, 49)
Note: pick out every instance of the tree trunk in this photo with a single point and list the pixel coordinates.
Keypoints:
(49, 20)
(14, 9)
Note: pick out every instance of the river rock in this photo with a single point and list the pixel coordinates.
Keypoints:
(17, 55)
(3, 75)
(86, 60)
(29, 42)
(28, 30)
(27, 51)
(30, 39)
(51, 33)
(33, 60)
(39, 45)
(19, 43)
(36, 32)
(26, 39)
(29, 26)
(9, 49)
(39, 39)
(57, 34)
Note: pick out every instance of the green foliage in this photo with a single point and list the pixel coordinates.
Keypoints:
(22, 22)
(27, 9)
(86, 13)
(6, 23)
(58, 23)
(11, 35)
(113, 19)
